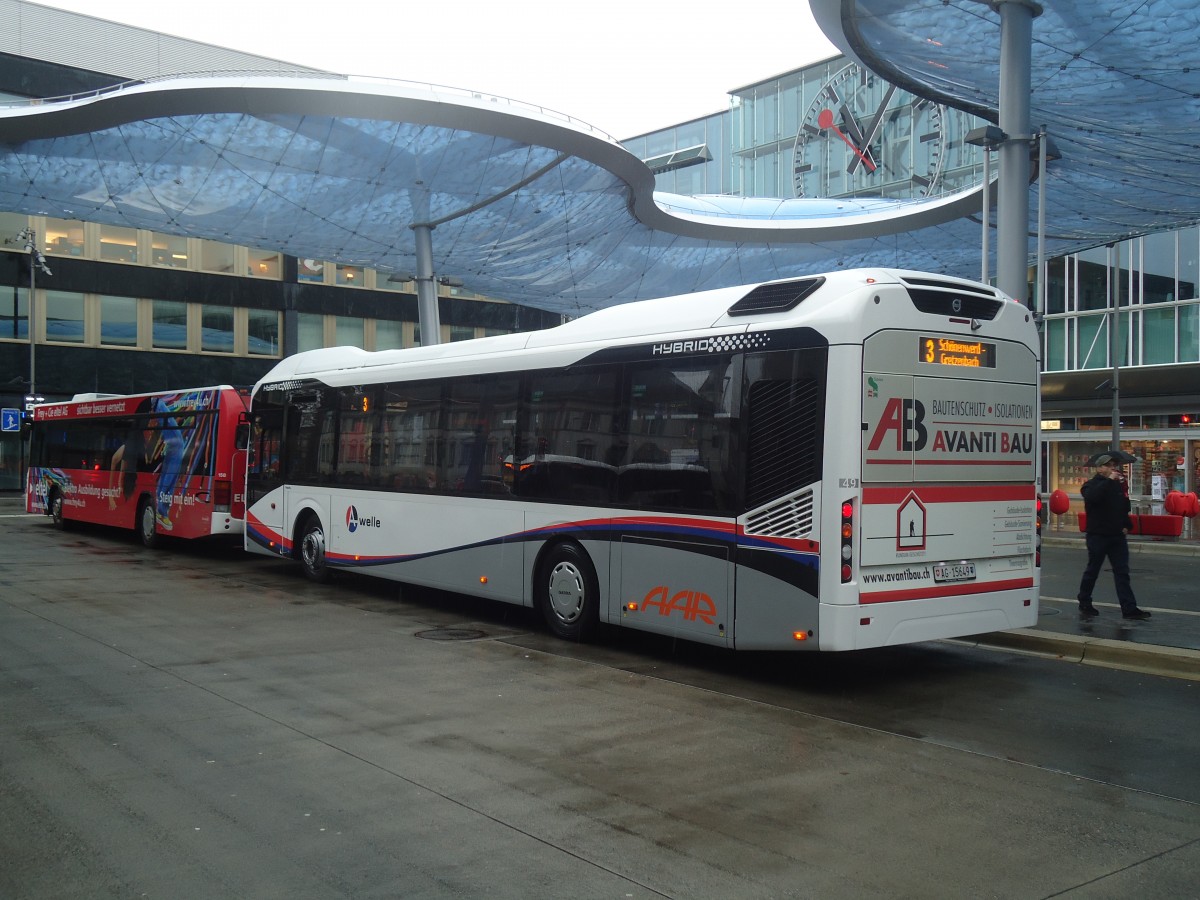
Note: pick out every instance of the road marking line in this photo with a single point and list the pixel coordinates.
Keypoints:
(1157, 609)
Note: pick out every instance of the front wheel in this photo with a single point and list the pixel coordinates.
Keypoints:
(312, 551)
(569, 593)
(147, 524)
(56, 510)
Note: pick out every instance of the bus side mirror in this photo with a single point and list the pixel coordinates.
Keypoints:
(241, 439)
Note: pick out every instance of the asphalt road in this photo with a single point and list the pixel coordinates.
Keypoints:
(201, 723)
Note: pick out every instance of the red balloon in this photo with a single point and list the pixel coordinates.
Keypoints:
(1193, 509)
(1171, 504)
(1059, 502)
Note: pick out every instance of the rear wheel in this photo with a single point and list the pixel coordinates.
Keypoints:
(569, 593)
(312, 550)
(146, 525)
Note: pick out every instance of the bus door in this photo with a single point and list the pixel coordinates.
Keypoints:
(950, 437)
(264, 474)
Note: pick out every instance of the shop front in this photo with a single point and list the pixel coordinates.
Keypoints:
(1167, 459)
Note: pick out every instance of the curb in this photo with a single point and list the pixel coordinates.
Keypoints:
(1149, 659)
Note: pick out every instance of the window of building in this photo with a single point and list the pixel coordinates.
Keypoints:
(1158, 268)
(169, 250)
(1158, 330)
(14, 315)
(12, 224)
(216, 329)
(310, 270)
(390, 281)
(352, 276)
(348, 332)
(64, 316)
(1189, 333)
(461, 333)
(388, 335)
(262, 332)
(1093, 342)
(1189, 263)
(1056, 345)
(118, 244)
(264, 263)
(310, 331)
(216, 257)
(118, 321)
(63, 237)
(170, 325)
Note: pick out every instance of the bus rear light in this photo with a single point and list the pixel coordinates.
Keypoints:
(800, 635)
(1037, 538)
(847, 540)
(222, 496)
(864, 621)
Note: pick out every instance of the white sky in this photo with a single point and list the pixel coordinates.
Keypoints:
(623, 66)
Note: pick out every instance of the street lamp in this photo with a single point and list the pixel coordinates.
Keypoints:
(36, 261)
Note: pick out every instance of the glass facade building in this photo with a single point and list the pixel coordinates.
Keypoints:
(792, 136)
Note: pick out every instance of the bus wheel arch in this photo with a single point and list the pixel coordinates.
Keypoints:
(310, 547)
(146, 524)
(567, 591)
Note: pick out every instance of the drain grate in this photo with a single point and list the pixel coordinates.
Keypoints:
(452, 634)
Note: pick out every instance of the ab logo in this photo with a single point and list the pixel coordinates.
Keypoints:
(907, 419)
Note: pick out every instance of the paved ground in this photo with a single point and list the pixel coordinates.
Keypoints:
(206, 724)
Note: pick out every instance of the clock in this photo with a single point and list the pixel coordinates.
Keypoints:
(864, 137)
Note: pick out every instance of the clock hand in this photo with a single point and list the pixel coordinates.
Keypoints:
(825, 121)
(876, 123)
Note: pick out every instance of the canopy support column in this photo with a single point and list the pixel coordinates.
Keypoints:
(427, 300)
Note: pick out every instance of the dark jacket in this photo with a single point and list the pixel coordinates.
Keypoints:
(1106, 506)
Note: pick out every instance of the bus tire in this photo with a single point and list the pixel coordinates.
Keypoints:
(311, 550)
(56, 511)
(568, 593)
(147, 527)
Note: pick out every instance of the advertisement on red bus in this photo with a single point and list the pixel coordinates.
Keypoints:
(165, 464)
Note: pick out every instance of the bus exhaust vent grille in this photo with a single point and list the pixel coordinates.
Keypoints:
(790, 518)
(953, 300)
(775, 298)
(784, 452)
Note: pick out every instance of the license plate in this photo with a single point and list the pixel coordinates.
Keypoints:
(955, 572)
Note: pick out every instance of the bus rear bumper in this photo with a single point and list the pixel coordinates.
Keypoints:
(863, 626)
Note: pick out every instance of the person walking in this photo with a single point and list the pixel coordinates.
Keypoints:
(1107, 507)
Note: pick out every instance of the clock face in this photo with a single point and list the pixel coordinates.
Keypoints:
(864, 137)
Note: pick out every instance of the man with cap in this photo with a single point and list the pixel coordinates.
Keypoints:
(1107, 508)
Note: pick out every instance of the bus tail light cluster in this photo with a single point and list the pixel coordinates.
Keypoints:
(1037, 537)
(847, 540)
(222, 496)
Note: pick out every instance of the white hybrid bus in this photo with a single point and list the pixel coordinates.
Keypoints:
(826, 463)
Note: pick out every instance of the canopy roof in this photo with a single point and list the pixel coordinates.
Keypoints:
(541, 209)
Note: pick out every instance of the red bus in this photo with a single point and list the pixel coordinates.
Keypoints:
(171, 463)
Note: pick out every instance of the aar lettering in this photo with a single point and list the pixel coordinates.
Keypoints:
(693, 604)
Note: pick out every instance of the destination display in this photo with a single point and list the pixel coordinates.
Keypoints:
(948, 351)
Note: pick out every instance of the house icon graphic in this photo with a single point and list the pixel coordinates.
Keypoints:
(910, 524)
